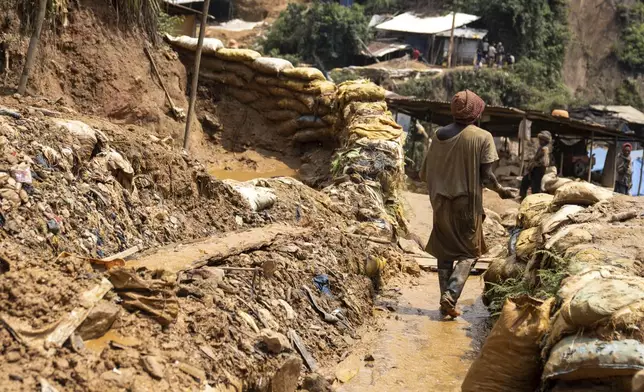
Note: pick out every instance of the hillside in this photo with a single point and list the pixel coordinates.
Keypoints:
(591, 68)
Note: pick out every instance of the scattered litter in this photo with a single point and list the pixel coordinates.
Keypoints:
(323, 284)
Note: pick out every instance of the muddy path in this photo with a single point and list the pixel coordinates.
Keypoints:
(412, 349)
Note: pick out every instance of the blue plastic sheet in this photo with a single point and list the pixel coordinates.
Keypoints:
(636, 158)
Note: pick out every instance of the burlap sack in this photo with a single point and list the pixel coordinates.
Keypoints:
(509, 360)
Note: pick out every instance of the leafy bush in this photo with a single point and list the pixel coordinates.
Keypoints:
(381, 6)
(529, 85)
(169, 24)
(327, 31)
(630, 50)
(628, 94)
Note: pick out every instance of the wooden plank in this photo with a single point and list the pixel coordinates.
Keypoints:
(59, 331)
(432, 264)
(175, 258)
(122, 255)
(295, 339)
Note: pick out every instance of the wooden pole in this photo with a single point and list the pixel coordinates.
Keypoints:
(451, 41)
(614, 163)
(33, 46)
(195, 74)
(590, 154)
(639, 186)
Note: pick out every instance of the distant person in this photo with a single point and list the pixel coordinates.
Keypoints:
(416, 146)
(479, 59)
(415, 54)
(510, 60)
(500, 52)
(537, 166)
(624, 180)
(491, 56)
(485, 46)
(457, 166)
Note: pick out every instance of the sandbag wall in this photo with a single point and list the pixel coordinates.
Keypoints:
(596, 331)
(305, 107)
(371, 152)
(298, 100)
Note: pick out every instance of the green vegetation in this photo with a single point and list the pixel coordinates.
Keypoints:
(628, 94)
(544, 285)
(528, 85)
(169, 24)
(372, 7)
(534, 29)
(327, 31)
(535, 32)
(630, 50)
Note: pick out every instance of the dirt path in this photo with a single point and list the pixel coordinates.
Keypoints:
(413, 350)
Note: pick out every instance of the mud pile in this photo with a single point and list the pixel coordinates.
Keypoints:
(240, 312)
(581, 247)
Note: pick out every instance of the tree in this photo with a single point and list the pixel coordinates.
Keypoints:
(329, 31)
(33, 46)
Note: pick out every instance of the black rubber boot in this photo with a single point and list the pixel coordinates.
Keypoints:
(455, 286)
(443, 279)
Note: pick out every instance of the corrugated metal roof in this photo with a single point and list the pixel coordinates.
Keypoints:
(411, 23)
(626, 113)
(379, 49)
(464, 32)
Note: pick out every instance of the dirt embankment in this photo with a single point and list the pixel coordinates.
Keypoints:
(95, 67)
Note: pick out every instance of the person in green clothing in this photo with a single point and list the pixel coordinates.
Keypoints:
(457, 166)
(624, 180)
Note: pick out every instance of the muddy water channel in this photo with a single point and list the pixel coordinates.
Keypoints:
(412, 348)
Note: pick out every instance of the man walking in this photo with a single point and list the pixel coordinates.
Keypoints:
(457, 166)
(537, 166)
(624, 180)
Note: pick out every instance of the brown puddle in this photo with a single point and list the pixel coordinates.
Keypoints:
(241, 175)
(98, 345)
(414, 350)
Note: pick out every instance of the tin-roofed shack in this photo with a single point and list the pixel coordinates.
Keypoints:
(431, 35)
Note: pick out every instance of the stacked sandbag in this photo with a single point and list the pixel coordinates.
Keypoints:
(372, 142)
(297, 100)
(596, 331)
(551, 182)
(509, 360)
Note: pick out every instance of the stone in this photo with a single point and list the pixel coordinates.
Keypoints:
(61, 363)
(153, 366)
(285, 379)
(121, 377)
(315, 382)
(275, 342)
(267, 319)
(12, 356)
(195, 372)
(99, 320)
